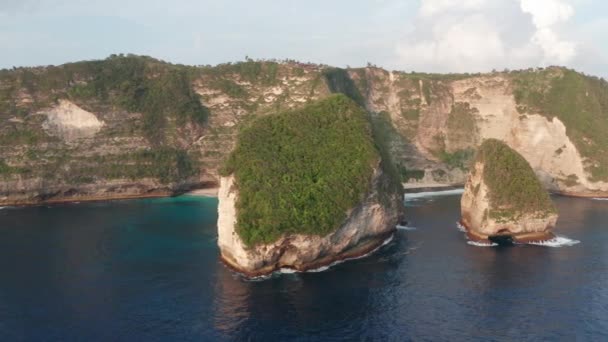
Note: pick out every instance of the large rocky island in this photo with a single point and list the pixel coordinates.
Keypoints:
(504, 200)
(306, 188)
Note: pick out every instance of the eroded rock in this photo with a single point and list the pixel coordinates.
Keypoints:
(504, 198)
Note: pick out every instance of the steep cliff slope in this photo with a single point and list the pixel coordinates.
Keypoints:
(554, 117)
(132, 126)
(136, 126)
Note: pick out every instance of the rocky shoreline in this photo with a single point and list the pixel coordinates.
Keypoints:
(361, 250)
(203, 189)
(517, 238)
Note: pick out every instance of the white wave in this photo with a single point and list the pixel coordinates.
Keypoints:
(557, 241)
(2, 208)
(426, 194)
(474, 243)
(408, 228)
(286, 270)
(600, 199)
(482, 244)
(255, 279)
(325, 268)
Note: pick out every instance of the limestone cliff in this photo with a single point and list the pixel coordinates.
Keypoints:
(136, 126)
(503, 197)
(541, 113)
(367, 227)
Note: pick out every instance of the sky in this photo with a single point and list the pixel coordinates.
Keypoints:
(408, 35)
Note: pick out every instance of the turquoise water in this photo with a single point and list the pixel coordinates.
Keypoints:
(148, 270)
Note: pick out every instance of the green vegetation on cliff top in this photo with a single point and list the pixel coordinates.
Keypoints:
(302, 170)
(512, 185)
(579, 101)
(160, 91)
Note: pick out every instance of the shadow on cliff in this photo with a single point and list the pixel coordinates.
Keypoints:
(338, 81)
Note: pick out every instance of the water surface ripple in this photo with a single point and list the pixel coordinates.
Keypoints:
(149, 270)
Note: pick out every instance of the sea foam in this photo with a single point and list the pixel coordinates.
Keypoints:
(557, 241)
(408, 228)
(325, 268)
(426, 194)
(482, 244)
(319, 269)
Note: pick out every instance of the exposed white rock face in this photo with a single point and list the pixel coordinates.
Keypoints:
(541, 141)
(475, 205)
(70, 122)
(366, 227)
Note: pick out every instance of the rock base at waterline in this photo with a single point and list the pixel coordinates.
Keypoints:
(517, 238)
(361, 250)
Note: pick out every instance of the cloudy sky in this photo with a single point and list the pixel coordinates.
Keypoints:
(421, 35)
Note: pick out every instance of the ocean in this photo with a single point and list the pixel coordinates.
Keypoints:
(148, 270)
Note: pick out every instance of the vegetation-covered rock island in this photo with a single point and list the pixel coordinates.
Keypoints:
(503, 198)
(305, 188)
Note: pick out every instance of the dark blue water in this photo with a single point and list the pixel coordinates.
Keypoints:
(148, 270)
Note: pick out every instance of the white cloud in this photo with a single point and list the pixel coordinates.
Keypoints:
(478, 35)
(453, 46)
(430, 7)
(554, 49)
(546, 14)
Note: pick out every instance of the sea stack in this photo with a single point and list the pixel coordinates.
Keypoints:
(503, 199)
(304, 189)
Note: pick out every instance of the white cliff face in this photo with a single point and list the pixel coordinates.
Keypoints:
(475, 206)
(367, 226)
(70, 122)
(541, 141)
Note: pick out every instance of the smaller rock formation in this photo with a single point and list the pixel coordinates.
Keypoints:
(504, 200)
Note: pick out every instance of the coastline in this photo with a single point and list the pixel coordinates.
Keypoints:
(427, 187)
(518, 238)
(362, 250)
(207, 192)
(68, 200)
(581, 195)
(204, 192)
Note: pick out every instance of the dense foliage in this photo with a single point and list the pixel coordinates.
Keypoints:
(461, 124)
(513, 186)
(301, 171)
(160, 91)
(460, 159)
(255, 72)
(579, 101)
(166, 164)
(4, 168)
